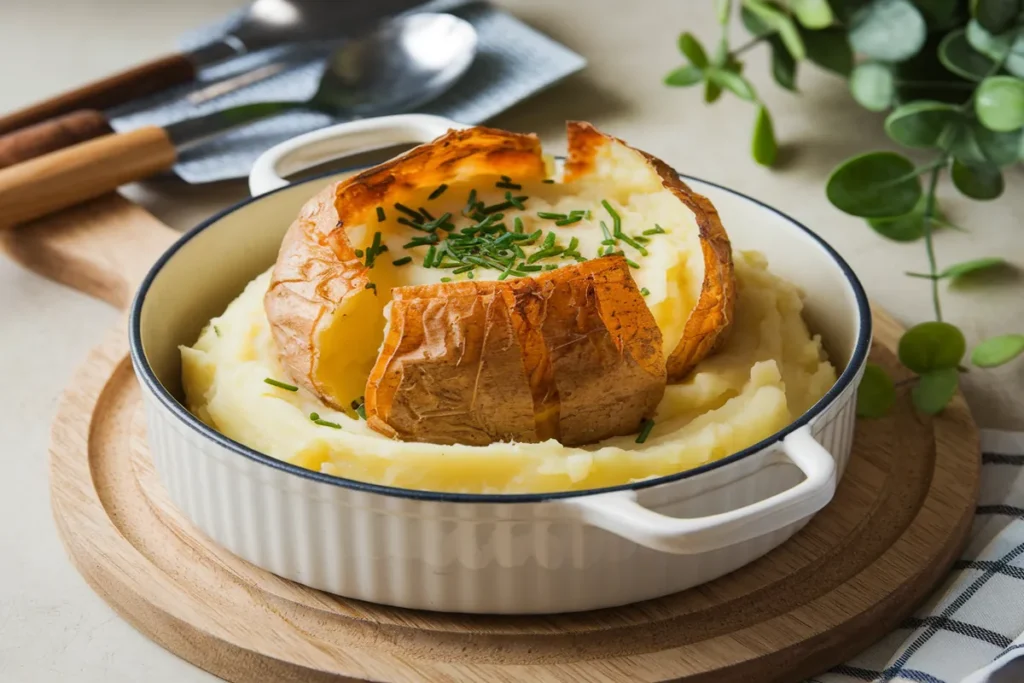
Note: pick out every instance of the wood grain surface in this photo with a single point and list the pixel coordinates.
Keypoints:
(145, 79)
(73, 175)
(49, 136)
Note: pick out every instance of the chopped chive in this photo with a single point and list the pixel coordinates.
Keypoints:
(382, 249)
(645, 291)
(505, 179)
(380, 214)
(438, 192)
(216, 330)
(616, 219)
(463, 269)
(359, 253)
(435, 223)
(402, 261)
(604, 231)
(373, 286)
(371, 253)
(412, 224)
(494, 208)
(508, 269)
(569, 221)
(428, 260)
(634, 264)
(470, 275)
(573, 244)
(508, 185)
(420, 242)
(529, 268)
(549, 241)
(446, 279)
(325, 423)
(280, 385)
(587, 215)
(656, 230)
(518, 224)
(633, 243)
(515, 201)
(549, 181)
(551, 266)
(547, 215)
(518, 251)
(361, 410)
(409, 212)
(534, 236)
(641, 239)
(426, 214)
(645, 430)
(314, 416)
(544, 253)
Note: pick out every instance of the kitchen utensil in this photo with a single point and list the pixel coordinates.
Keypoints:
(407, 61)
(85, 124)
(264, 24)
(402, 547)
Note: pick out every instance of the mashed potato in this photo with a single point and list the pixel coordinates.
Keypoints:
(769, 371)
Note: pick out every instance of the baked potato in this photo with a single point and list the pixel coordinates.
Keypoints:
(468, 297)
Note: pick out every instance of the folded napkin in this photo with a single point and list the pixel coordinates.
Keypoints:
(513, 62)
(972, 629)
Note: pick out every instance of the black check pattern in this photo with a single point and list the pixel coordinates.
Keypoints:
(940, 637)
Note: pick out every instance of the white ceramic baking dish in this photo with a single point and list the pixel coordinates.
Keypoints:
(506, 554)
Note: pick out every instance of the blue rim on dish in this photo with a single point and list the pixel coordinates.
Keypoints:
(147, 376)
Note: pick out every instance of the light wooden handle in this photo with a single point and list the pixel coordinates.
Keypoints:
(49, 136)
(126, 86)
(61, 179)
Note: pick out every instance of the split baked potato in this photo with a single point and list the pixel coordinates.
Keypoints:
(460, 294)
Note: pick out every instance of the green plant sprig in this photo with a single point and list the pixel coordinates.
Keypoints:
(950, 74)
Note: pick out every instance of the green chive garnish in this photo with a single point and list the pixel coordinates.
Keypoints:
(645, 291)
(280, 385)
(409, 212)
(549, 241)
(634, 264)
(361, 410)
(373, 286)
(641, 239)
(216, 330)
(463, 269)
(374, 249)
(633, 243)
(402, 261)
(380, 214)
(426, 214)
(525, 267)
(514, 201)
(573, 244)
(656, 230)
(616, 219)
(438, 192)
(314, 417)
(549, 181)
(518, 224)
(604, 231)
(550, 266)
(645, 430)
(446, 279)
(325, 423)
(547, 215)
(569, 221)
(428, 260)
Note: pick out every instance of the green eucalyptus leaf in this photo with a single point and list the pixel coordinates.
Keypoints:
(998, 148)
(906, 228)
(932, 346)
(724, 9)
(999, 350)
(712, 91)
(873, 86)
(685, 76)
(783, 65)
(734, 83)
(693, 50)
(935, 390)
(830, 49)
(964, 145)
(888, 30)
(996, 15)
(992, 46)
(753, 23)
(876, 393)
(977, 182)
(920, 124)
(1015, 59)
(763, 147)
(999, 103)
(813, 14)
(777, 20)
(973, 266)
(957, 55)
(875, 185)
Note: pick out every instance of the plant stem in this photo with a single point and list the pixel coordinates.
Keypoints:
(749, 44)
(929, 211)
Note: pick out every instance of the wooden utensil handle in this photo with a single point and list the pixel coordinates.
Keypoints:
(49, 136)
(139, 81)
(61, 179)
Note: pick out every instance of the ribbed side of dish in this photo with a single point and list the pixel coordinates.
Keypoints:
(462, 557)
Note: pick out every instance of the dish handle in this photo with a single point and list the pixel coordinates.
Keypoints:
(341, 140)
(621, 513)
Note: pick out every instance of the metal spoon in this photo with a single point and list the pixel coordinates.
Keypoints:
(264, 23)
(405, 63)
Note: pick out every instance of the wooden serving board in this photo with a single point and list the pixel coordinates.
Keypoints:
(899, 519)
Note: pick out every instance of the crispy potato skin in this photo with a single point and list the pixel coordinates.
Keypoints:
(572, 355)
(710, 319)
(317, 268)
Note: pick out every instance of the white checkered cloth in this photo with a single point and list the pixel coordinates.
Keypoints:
(972, 629)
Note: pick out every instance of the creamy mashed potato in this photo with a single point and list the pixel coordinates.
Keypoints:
(769, 371)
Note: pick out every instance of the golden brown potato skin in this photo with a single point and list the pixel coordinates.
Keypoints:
(572, 355)
(709, 321)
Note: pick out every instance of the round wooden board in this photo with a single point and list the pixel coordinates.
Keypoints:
(898, 521)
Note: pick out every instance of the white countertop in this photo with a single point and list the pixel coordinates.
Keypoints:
(53, 628)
